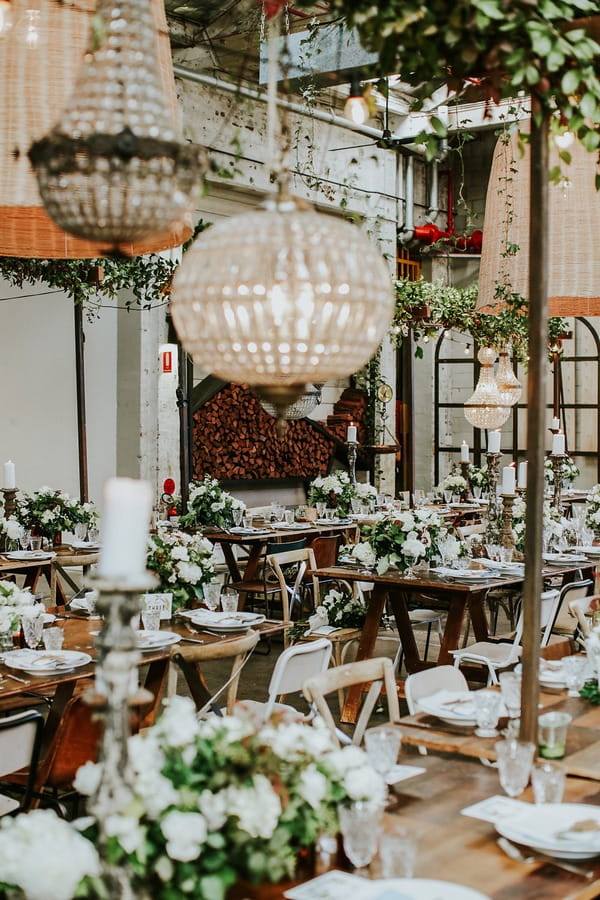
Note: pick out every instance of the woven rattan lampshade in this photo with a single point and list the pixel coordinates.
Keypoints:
(574, 226)
(36, 86)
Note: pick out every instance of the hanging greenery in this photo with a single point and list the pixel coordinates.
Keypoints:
(429, 307)
(92, 281)
(490, 49)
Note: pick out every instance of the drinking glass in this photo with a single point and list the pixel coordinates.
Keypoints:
(229, 600)
(510, 688)
(548, 782)
(151, 614)
(91, 598)
(476, 492)
(36, 543)
(355, 505)
(575, 669)
(552, 734)
(320, 507)
(25, 539)
(506, 554)
(237, 514)
(515, 759)
(80, 531)
(493, 551)
(410, 561)
(33, 626)
(289, 516)
(365, 508)
(487, 710)
(383, 746)
(53, 638)
(397, 851)
(360, 824)
(212, 595)
(447, 496)
(330, 514)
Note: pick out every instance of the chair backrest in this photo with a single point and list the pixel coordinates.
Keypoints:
(302, 560)
(294, 666)
(464, 531)
(189, 658)
(430, 681)
(378, 671)
(20, 739)
(283, 546)
(563, 620)
(550, 602)
(580, 608)
(75, 742)
(325, 549)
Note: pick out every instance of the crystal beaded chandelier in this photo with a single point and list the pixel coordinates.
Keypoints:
(507, 382)
(284, 296)
(486, 408)
(112, 169)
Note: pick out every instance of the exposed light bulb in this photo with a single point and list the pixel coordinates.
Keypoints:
(467, 349)
(565, 185)
(28, 29)
(426, 339)
(565, 140)
(356, 109)
(6, 18)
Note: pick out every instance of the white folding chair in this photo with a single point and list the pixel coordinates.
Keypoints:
(430, 681)
(501, 654)
(294, 666)
(564, 621)
(20, 739)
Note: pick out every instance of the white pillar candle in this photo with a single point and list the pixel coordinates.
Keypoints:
(10, 477)
(351, 434)
(555, 424)
(127, 510)
(558, 443)
(493, 442)
(464, 452)
(522, 475)
(508, 480)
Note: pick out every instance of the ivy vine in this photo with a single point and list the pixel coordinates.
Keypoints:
(429, 307)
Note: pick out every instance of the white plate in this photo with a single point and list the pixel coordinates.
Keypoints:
(563, 558)
(290, 526)
(453, 707)
(238, 529)
(422, 889)
(590, 551)
(547, 827)
(39, 662)
(154, 640)
(223, 622)
(466, 575)
(85, 545)
(29, 555)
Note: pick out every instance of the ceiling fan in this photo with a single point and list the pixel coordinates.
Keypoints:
(387, 141)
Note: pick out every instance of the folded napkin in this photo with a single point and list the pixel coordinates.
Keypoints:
(207, 617)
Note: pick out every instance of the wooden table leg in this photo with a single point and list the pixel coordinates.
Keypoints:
(250, 572)
(406, 635)
(478, 616)
(366, 645)
(454, 623)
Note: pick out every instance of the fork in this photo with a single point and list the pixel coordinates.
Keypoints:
(515, 853)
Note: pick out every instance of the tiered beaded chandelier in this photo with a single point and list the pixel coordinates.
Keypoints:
(507, 382)
(112, 169)
(486, 408)
(284, 296)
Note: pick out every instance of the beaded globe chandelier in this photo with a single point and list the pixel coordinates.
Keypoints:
(113, 169)
(284, 296)
(486, 408)
(301, 408)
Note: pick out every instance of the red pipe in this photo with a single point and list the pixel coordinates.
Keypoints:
(431, 234)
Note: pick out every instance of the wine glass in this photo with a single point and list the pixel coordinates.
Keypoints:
(33, 625)
(237, 513)
(410, 557)
(25, 538)
(212, 595)
(515, 759)
(360, 824)
(80, 531)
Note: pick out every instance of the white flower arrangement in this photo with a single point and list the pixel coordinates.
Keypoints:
(403, 540)
(335, 490)
(49, 512)
(14, 602)
(569, 471)
(183, 563)
(213, 801)
(554, 524)
(364, 491)
(592, 515)
(209, 504)
(453, 482)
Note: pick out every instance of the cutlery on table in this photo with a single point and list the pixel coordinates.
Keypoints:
(191, 640)
(535, 856)
(16, 678)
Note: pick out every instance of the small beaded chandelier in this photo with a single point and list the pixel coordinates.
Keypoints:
(507, 382)
(112, 169)
(485, 408)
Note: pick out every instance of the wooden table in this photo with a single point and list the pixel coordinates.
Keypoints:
(455, 596)
(256, 544)
(53, 570)
(463, 850)
(583, 737)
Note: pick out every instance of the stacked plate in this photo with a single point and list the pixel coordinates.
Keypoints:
(453, 707)
(155, 640)
(29, 555)
(43, 662)
(223, 622)
(562, 830)
(564, 559)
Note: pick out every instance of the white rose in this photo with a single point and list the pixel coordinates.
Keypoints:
(127, 830)
(178, 726)
(312, 786)
(185, 833)
(180, 553)
(258, 807)
(214, 808)
(87, 778)
(364, 783)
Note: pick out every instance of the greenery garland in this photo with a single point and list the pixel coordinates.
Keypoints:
(490, 49)
(429, 307)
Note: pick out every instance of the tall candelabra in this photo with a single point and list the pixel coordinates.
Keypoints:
(493, 512)
(116, 692)
(464, 471)
(507, 538)
(557, 460)
(352, 453)
(10, 508)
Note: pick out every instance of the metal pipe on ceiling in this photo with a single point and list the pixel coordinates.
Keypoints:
(321, 115)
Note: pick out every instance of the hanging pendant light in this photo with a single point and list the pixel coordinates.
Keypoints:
(485, 408)
(285, 296)
(301, 408)
(507, 382)
(112, 169)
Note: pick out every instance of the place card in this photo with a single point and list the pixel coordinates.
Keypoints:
(401, 773)
(495, 809)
